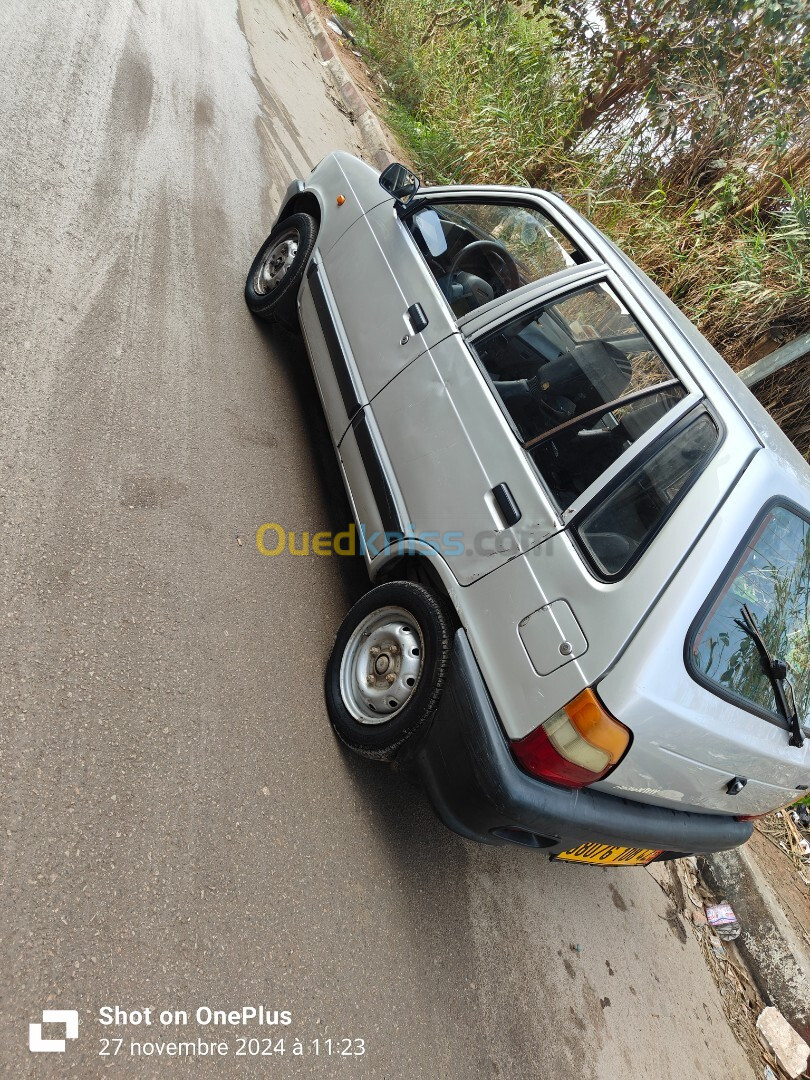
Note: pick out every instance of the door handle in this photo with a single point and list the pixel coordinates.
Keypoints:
(417, 318)
(510, 511)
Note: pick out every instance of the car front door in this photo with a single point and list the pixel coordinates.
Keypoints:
(460, 478)
(386, 300)
(395, 285)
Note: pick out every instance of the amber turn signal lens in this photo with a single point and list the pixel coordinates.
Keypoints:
(597, 726)
(340, 200)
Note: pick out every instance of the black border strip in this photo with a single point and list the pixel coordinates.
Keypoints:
(380, 488)
(348, 391)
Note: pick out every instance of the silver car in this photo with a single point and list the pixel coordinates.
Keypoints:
(590, 545)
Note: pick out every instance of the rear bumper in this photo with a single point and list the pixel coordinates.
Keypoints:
(478, 790)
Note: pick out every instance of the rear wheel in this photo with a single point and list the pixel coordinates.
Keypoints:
(271, 289)
(387, 669)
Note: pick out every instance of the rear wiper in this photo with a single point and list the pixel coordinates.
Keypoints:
(776, 670)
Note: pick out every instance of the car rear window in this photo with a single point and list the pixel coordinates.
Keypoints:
(615, 531)
(772, 578)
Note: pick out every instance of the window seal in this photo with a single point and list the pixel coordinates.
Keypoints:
(529, 200)
(542, 298)
(580, 267)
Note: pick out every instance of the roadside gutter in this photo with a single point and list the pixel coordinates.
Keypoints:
(355, 104)
(778, 961)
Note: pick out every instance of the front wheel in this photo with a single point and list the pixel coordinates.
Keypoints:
(271, 289)
(387, 669)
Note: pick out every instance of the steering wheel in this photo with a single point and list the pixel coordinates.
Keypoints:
(506, 269)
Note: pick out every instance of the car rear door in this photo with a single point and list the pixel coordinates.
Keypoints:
(457, 423)
(465, 486)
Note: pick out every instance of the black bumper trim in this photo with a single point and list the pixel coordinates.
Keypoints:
(476, 786)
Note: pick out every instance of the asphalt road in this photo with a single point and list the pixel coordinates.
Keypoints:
(179, 828)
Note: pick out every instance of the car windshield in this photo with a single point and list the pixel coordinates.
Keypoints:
(480, 250)
(771, 579)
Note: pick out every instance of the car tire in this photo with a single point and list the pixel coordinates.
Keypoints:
(412, 632)
(271, 289)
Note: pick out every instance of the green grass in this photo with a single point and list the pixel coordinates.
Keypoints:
(472, 87)
(344, 10)
(476, 93)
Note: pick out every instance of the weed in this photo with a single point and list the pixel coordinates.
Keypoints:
(478, 93)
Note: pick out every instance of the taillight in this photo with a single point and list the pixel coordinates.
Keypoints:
(576, 746)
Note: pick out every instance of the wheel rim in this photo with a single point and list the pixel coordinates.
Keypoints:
(381, 665)
(276, 262)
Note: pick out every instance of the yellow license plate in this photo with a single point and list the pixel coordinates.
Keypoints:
(605, 855)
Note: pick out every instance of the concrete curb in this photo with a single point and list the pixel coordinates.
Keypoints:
(777, 959)
(359, 110)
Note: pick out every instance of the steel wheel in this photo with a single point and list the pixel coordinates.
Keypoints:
(387, 668)
(381, 665)
(274, 278)
(276, 262)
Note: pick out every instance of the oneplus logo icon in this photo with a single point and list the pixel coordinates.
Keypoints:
(68, 1017)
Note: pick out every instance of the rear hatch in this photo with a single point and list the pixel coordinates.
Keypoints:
(708, 729)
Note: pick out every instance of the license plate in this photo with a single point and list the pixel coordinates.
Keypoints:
(605, 855)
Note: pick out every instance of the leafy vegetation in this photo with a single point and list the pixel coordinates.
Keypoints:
(345, 10)
(682, 130)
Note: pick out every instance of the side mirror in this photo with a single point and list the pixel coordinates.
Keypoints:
(399, 182)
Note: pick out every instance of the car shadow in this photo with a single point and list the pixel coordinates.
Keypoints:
(289, 350)
(401, 809)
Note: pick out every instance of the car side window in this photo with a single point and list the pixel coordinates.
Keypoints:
(616, 530)
(480, 250)
(581, 383)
